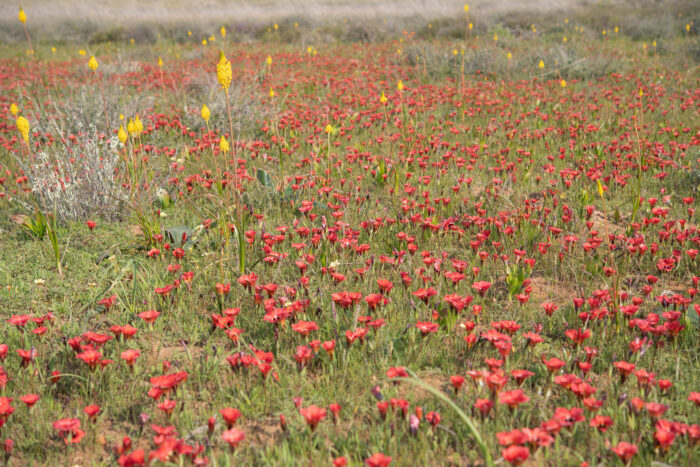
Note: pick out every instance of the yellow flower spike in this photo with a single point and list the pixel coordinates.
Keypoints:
(383, 99)
(22, 15)
(269, 60)
(454, 52)
(509, 56)
(204, 42)
(53, 49)
(121, 116)
(212, 39)
(81, 52)
(189, 33)
(160, 62)
(130, 126)
(564, 39)
(92, 64)
(617, 29)
(223, 71)
(23, 127)
(309, 49)
(223, 32)
(562, 83)
(566, 21)
(276, 27)
(223, 145)
(296, 25)
(600, 189)
(121, 134)
(138, 125)
(687, 28)
(329, 129)
(541, 64)
(400, 86)
(470, 26)
(466, 8)
(495, 37)
(205, 113)
(14, 110)
(641, 92)
(132, 41)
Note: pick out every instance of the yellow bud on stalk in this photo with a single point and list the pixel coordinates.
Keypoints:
(92, 64)
(121, 134)
(399, 86)
(205, 113)
(22, 15)
(138, 125)
(223, 71)
(329, 129)
(23, 127)
(14, 110)
(223, 145)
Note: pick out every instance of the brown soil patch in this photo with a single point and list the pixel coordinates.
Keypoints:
(415, 394)
(264, 431)
(547, 290)
(599, 224)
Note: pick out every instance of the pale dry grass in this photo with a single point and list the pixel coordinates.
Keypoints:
(114, 11)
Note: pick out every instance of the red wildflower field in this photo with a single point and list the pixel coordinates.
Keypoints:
(469, 248)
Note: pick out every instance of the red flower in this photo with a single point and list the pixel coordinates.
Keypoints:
(513, 398)
(149, 316)
(515, 455)
(130, 356)
(30, 399)
(481, 287)
(553, 364)
(396, 372)
(233, 437)
(426, 327)
(378, 460)
(335, 410)
(230, 416)
(305, 327)
(91, 357)
(69, 430)
(92, 411)
(313, 415)
(625, 451)
(601, 422)
(133, 459)
(457, 382)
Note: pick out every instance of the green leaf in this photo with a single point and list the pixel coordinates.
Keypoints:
(488, 460)
(175, 234)
(264, 179)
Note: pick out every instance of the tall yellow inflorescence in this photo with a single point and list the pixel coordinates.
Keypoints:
(23, 127)
(223, 71)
